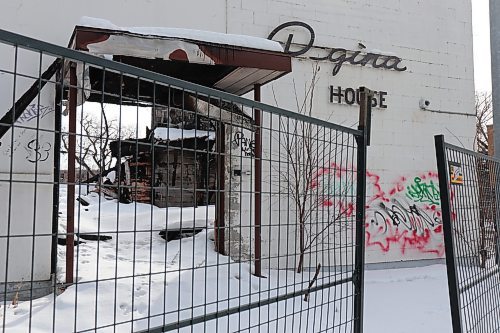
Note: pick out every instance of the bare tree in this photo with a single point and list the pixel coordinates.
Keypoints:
(484, 116)
(486, 177)
(302, 145)
(93, 137)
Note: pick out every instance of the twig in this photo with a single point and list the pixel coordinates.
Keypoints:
(306, 296)
(15, 300)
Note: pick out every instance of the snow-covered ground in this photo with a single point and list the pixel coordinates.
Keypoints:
(139, 277)
(410, 300)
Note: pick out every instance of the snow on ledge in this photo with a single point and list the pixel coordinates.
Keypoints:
(172, 134)
(199, 35)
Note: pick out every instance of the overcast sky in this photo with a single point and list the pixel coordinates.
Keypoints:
(482, 59)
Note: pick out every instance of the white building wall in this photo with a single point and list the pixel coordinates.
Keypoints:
(54, 21)
(26, 171)
(434, 39)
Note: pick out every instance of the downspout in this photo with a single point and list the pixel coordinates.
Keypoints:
(495, 70)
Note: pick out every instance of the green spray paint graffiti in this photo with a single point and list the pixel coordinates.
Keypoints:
(421, 191)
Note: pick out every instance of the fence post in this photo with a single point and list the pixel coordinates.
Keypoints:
(362, 141)
(57, 169)
(70, 227)
(448, 234)
(495, 182)
(220, 225)
(258, 183)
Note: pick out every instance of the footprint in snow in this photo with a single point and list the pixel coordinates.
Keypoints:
(125, 308)
(140, 293)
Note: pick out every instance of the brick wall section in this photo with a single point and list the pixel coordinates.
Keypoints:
(491, 141)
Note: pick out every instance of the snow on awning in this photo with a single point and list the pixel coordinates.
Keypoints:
(174, 134)
(189, 34)
(190, 55)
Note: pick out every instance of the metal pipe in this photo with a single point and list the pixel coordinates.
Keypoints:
(258, 183)
(495, 93)
(495, 70)
(70, 223)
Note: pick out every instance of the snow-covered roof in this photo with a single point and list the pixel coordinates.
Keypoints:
(198, 35)
(173, 134)
(242, 61)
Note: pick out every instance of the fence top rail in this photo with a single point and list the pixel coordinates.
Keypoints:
(470, 152)
(29, 43)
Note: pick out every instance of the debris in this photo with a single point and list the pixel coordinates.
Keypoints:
(62, 241)
(93, 237)
(170, 235)
(83, 201)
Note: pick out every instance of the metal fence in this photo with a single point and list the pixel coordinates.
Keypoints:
(134, 202)
(470, 200)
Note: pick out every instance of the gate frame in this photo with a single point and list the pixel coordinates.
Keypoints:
(363, 141)
(449, 244)
(361, 135)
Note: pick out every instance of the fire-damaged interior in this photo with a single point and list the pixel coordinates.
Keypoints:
(168, 172)
(180, 161)
(176, 163)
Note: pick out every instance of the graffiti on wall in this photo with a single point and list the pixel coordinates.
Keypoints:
(423, 191)
(33, 111)
(36, 151)
(247, 145)
(408, 217)
(403, 216)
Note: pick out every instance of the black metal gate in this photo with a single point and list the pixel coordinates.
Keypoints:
(108, 226)
(470, 197)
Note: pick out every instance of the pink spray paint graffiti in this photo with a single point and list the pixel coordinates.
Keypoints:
(405, 217)
(408, 218)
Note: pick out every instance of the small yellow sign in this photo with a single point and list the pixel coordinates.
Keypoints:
(456, 174)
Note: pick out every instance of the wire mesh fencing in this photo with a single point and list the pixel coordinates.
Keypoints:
(469, 189)
(136, 202)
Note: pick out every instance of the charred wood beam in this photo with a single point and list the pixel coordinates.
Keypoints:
(217, 113)
(9, 119)
(96, 177)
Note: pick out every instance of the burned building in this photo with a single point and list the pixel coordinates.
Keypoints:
(193, 154)
(176, 164)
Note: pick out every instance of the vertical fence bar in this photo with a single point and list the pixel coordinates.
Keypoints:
(70, 222)
(448, 234)
(221, 170)
(496, 191)
(258, 182)
(57, 169)
(359, 266)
